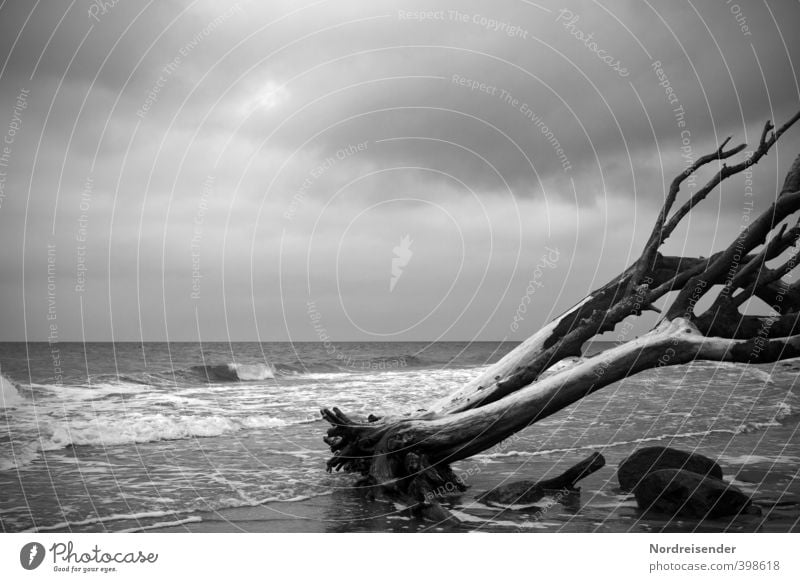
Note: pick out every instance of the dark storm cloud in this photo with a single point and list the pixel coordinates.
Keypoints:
(269, 154)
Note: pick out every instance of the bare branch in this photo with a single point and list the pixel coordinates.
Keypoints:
(772, 249)
(720, 154)
(765, 277)
(730, 259)
(765, 143)
(410, 454)
(657, 235)
(719, 324)
(564, 337)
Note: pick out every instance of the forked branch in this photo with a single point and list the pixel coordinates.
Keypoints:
(410, 454)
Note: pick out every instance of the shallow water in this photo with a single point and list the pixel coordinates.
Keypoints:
(125, 436)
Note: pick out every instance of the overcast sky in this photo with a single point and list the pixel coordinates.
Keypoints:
(204, 170)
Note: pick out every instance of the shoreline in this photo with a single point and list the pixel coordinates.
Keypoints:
(599, 508)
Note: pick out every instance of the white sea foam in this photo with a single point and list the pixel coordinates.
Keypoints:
(9, 395)
(734, 367)
(250, 372)
(342, 376)
(762, 375)
(148, 428)
(659, 438)
(250, 502)
(754, 459)
(16, 456)
(191, 406)
(87, 392)
(784, 411)
(468, 518)
(465, 517)
(103, 519)
(163, 524)
(748, 427)
(176, 517)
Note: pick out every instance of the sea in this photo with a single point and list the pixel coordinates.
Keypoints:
(228, 437)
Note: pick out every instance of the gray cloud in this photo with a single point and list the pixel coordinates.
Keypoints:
(488, 132)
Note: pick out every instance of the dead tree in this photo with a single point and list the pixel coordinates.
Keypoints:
(410, 455)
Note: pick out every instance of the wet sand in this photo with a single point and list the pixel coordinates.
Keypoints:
(748, 461)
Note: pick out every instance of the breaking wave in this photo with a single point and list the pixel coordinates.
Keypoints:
(14, 456)
(145, 429)
(236, 372)
(354, 365)
(9, 396)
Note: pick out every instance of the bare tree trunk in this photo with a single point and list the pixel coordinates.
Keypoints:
(410, 455)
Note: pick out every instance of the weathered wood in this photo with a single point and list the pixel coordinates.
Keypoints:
(457, 436)
(679, 493)
(547, 347)
(643, 461)
(514, 393)
(527, 492)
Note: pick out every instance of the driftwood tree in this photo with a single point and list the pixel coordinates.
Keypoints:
(410, 455)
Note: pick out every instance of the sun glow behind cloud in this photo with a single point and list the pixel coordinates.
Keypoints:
(269, 96)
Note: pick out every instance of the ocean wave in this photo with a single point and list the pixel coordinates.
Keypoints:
(103, 385)
(95, 389)
(238, 372)
(234, 372)
(299, 368)
(735, 367)
(9, 395)
(144, 429)
(355, 365)
(752, 459)
(17, 456)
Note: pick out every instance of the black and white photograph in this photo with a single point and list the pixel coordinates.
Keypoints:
(399, 266)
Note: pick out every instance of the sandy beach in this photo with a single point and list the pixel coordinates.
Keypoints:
(600, 507)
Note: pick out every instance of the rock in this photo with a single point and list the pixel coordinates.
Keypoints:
(681, 493)
(528, 492)
(643, 461)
